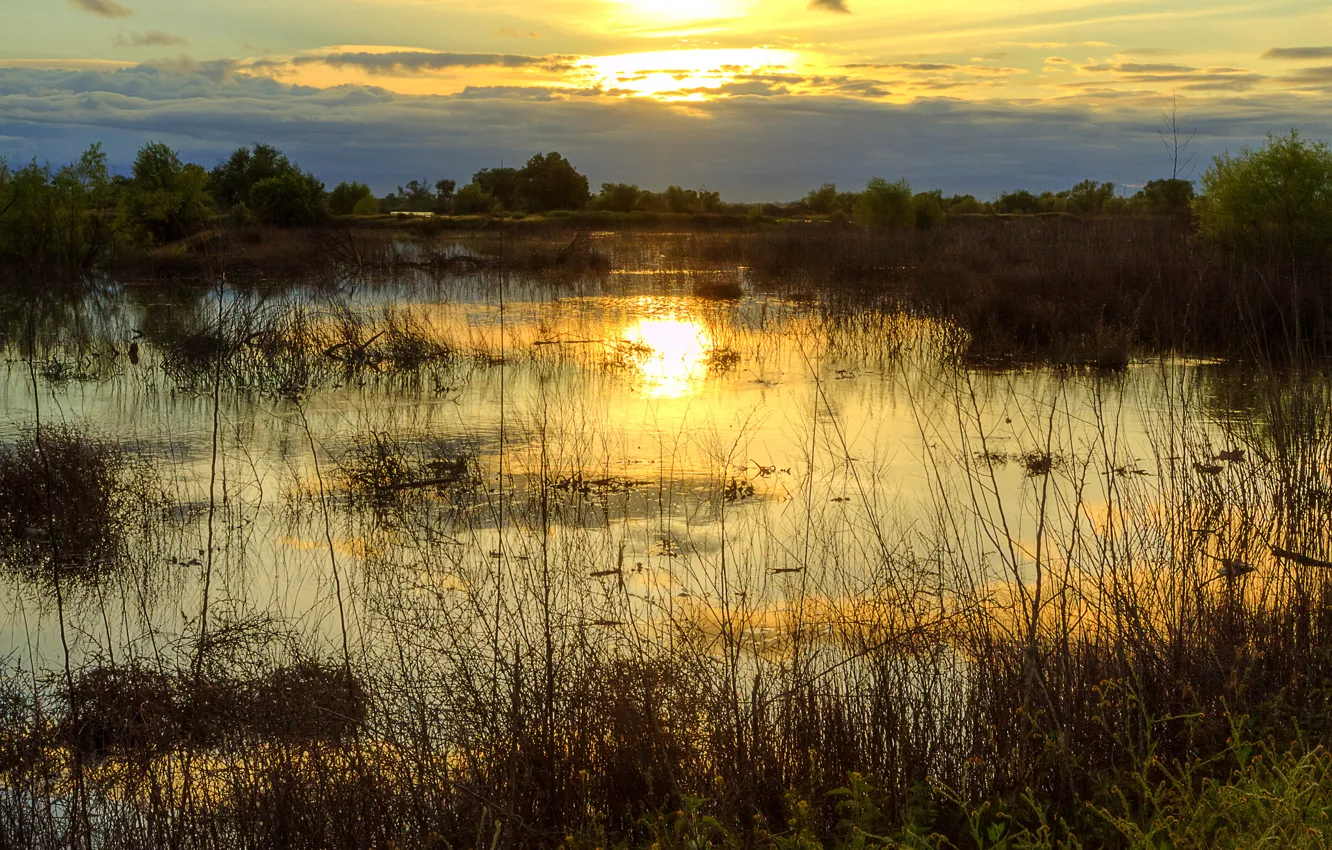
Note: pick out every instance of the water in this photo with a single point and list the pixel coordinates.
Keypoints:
(651, 457)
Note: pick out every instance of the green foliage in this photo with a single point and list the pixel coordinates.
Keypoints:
(617, 197)
(290, 199)
(1165, 197)
(345, 196)
(366, 206)
(1089, 197)
(473, 199)
(501, 184)
(233, 179)
(1020, 201)
(1276, 200)
(549, 182)
(274, 188)
(56, 223)
(679, 200)
(885, 204)
(167, 199)
(928, 209)
(826, 200)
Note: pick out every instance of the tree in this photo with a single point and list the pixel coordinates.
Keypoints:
(472, 199)
(928, 208)
(233, 179)
(167, 198)
(292, 198)
(885, 204)
(501, 184)
(1177, 142)
(1276, 200)
(366, 206)
(1165, 197)
(56, 223)
(617, 197)
(444, 196)
(1089, 196)
(549, 182)
(1020, 201)
(345, 196)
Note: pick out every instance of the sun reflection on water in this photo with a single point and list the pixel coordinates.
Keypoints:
(671, 353)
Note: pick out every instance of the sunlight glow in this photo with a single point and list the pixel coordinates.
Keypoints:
(684, 74)
(676, 11)
(671, 354)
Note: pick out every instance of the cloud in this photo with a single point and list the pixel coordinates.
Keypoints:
(830, 6)
(415, 61)
(105, 8)
(1299, 53)
(151, 38)
(749, 147)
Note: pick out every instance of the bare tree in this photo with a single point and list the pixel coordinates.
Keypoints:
(1177, 142)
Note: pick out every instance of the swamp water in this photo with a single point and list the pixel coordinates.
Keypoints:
(478, 456)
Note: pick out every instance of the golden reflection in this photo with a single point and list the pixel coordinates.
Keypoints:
(671, 354)
(690, 75)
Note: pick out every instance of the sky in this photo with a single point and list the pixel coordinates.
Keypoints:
(759, 99)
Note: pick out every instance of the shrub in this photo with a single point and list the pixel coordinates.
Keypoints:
(1275, 201)
(885, 204)
(366, 206)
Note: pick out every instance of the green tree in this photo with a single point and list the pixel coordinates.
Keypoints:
(617, 197)
(885, 204)
(233, 179)
(1089, 197)
(366, 206)
(501, 184)
(167, 199)
(345, 196)
(472, 199)
(1020, 201)
(1276, 200)
(57, 223)
(1171, 196)
(289, 199)
(928, 208)
(550, 182)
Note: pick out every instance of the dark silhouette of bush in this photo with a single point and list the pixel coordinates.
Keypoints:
(617, 197)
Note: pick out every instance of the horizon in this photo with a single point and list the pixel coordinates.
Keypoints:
(758, 99)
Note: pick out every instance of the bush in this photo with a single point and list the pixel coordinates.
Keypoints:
(472, 199)
(366, 206)
(885, 204)
(1274, 201)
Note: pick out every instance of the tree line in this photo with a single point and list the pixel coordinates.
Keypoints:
(57, 222)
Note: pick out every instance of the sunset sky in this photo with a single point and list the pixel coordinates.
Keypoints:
(761, 99)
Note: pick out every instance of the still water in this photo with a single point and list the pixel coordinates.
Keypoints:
(665, 456)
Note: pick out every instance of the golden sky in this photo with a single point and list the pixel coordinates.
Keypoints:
(1260, 63)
